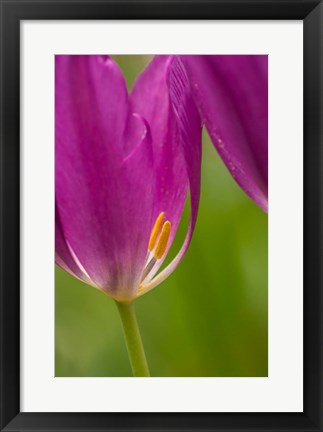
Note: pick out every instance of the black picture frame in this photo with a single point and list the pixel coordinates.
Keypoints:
(12, 12)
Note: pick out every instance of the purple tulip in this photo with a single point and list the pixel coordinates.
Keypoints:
(123, 166)
(231, 93)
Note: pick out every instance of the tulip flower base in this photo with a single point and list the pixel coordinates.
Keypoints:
(161, 187)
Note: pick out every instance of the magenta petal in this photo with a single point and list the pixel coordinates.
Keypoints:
(188, 126)
(150, 97)
(63, 256)
(103, 194)
(231, 93)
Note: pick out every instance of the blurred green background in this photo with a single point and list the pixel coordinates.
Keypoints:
(209, 318)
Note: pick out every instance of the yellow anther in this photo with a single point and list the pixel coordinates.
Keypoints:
(163, 240)
(155, 232)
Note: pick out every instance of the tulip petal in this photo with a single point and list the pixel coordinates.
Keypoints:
(105, 212)
(189, 142)
(63, 256)
(231, 92)
(150, 97)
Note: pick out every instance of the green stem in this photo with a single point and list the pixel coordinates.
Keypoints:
(133, 339)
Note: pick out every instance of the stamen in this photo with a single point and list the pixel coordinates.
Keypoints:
(163, 240)
(148, 268)
(155, 232)
(159, 235)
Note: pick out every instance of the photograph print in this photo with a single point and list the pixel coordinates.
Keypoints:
(161, 215)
